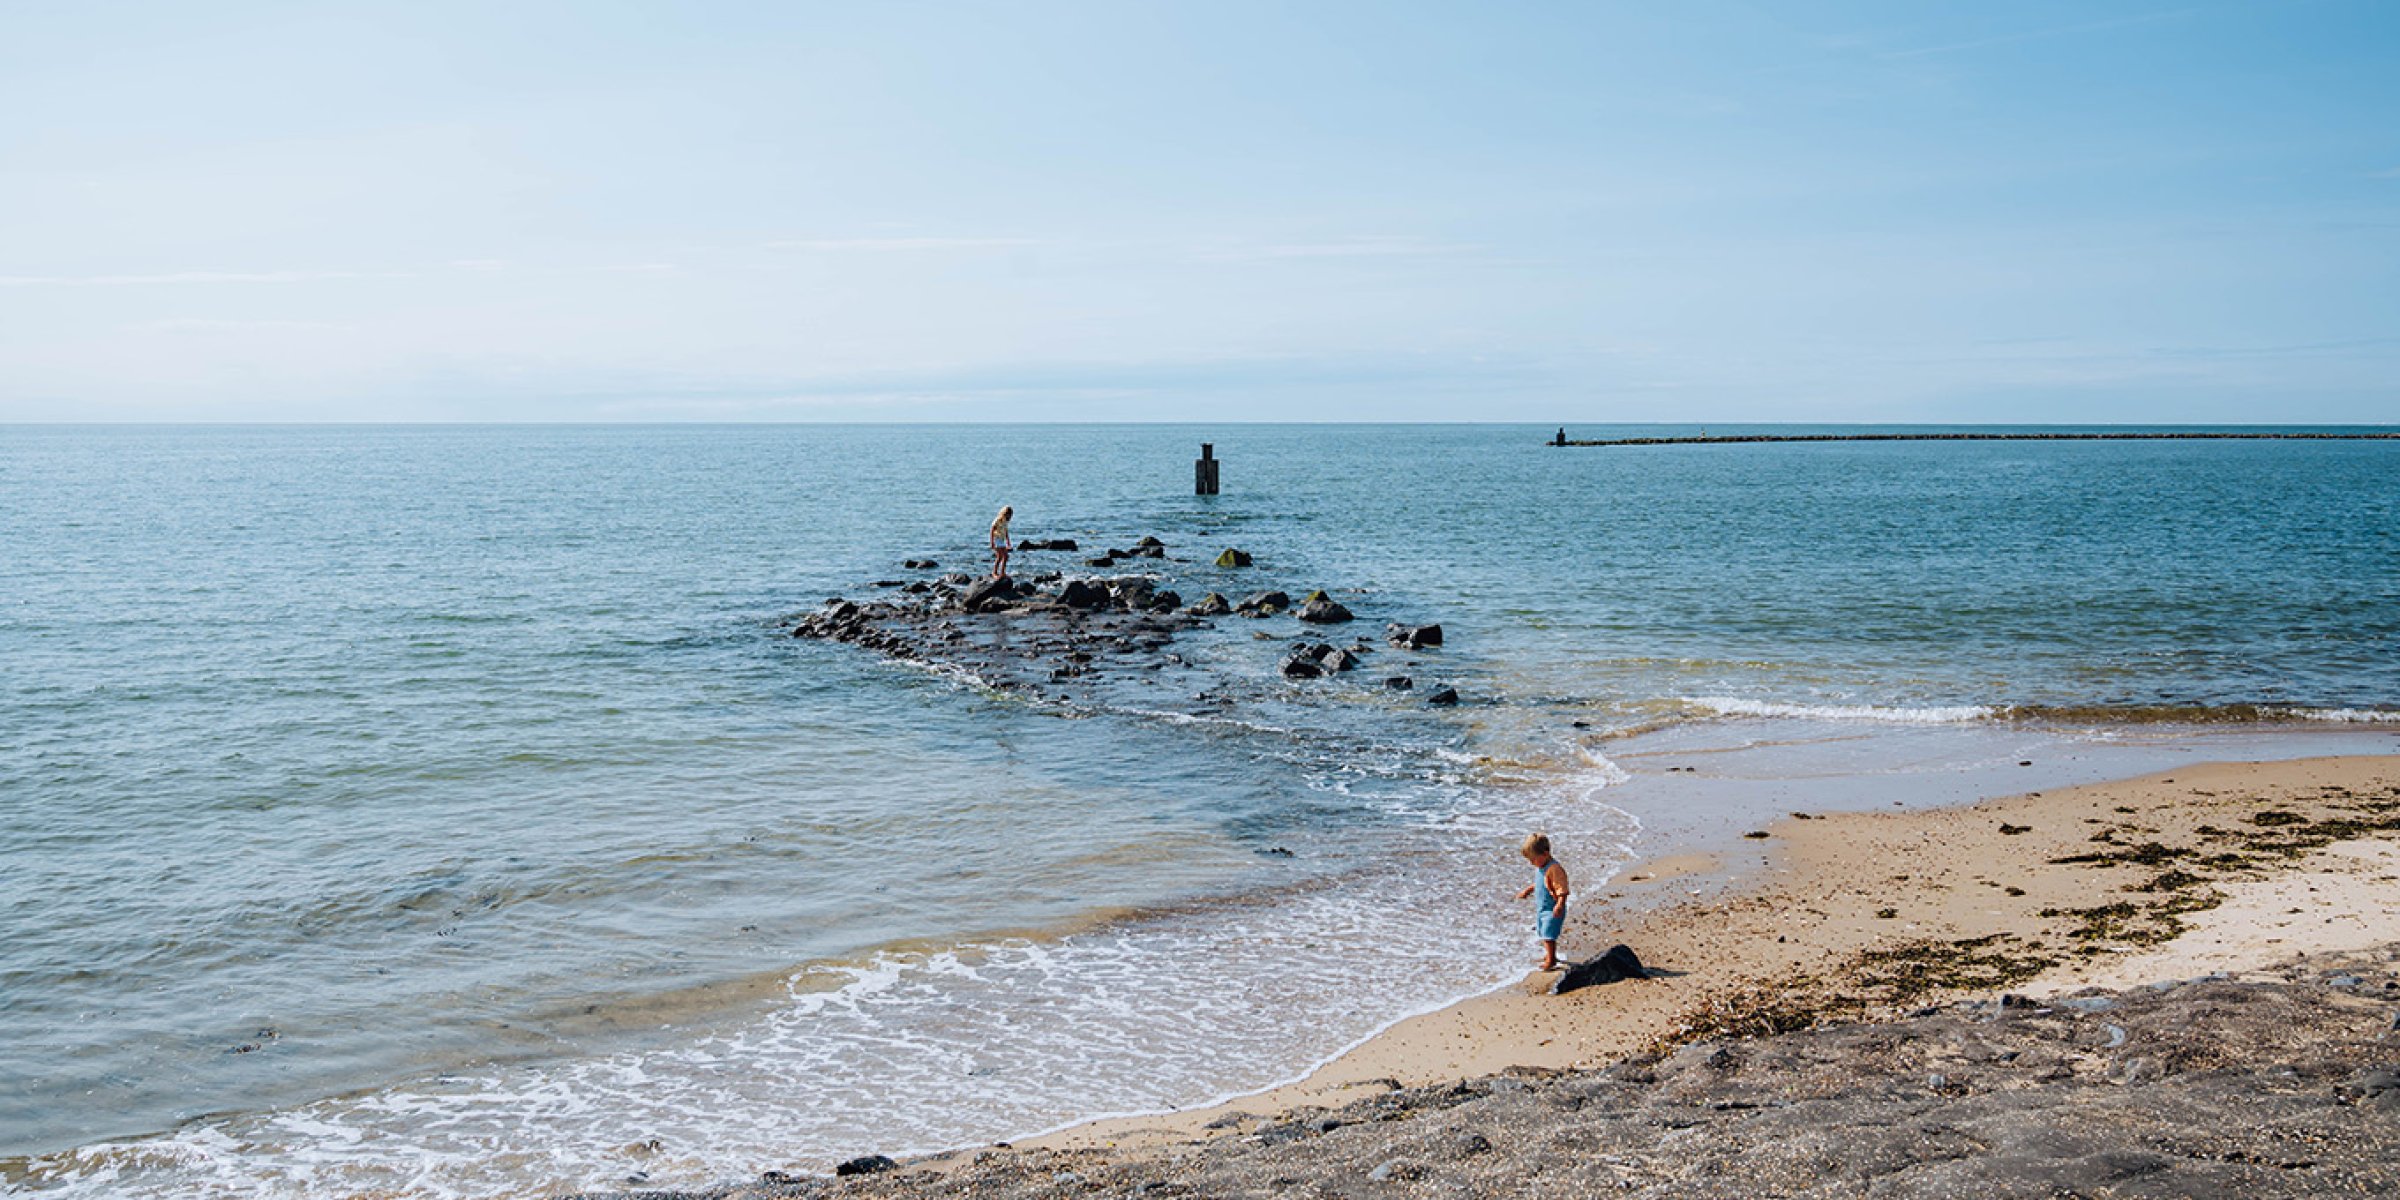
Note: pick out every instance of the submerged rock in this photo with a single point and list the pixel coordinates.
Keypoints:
(1233, 558)
(1443, 698)
(1082, 593)
(1323, 611)
(1263, 604)
(991, 595)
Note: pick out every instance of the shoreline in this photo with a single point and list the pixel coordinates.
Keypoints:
(1815, 901)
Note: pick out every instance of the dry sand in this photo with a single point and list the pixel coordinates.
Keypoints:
(1854, 916)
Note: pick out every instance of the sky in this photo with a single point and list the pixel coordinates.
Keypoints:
(1121, 210)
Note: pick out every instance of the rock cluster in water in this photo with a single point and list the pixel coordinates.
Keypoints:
(1049, 629)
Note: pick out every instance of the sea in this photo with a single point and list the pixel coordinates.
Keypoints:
(447, 811)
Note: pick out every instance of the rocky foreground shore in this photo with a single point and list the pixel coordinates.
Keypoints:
(2282, 1084)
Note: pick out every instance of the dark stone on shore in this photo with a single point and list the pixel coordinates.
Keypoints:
(1619, 963)
(1414, 637)
(1322, 611)
(1399, 683)
(1443, 698)
(869, 1164)
(1233, 558)
(958, 579)
(1212, 605)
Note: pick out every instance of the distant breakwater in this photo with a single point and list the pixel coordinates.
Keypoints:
(2114, 436)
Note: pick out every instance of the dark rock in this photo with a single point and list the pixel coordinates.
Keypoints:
(1298, 665)
(1165, 602)
(1414, 637)
(1443, 698)
(1323, 611)
(891, 583)
(1339, 660)
(990, 595)
(1082, 593)
(1263, 604)
(1211, 605)
(1619, 963)
(1467, 1145)
(870, 1164)
(1233, 558)
(1132, 593)
(1108, 561)
(1399, 683)
(1052, 544)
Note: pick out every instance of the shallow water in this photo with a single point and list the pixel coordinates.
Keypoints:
(441, 808)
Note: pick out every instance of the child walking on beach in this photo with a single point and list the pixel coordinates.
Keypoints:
(1000, 542)
(1551, 914)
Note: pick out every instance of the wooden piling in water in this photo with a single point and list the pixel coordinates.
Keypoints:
(1204, 471)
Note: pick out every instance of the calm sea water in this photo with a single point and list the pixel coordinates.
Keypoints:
(442, 809)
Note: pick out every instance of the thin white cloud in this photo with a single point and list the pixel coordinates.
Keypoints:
(881, 245)
(187, 277)
(1352, 247)
(2041, 34)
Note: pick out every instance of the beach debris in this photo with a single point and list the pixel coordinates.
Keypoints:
(1323, 610)
(866, 1164)
(1413, 637)
(1230, 558)
(1443, 698)
(2009, 830)
(1756, 834)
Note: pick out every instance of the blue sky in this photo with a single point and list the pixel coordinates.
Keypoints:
(1563, 212)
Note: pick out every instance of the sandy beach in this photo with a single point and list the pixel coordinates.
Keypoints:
(2235, 875)
(1867, 915)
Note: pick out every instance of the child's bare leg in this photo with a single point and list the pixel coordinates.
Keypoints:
(1549, 954)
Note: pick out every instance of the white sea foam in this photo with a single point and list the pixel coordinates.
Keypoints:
(2346, 716)
(908, 1052)
(1735, 706)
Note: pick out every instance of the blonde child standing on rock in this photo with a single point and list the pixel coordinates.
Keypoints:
(1551, 915)
(1000, 546)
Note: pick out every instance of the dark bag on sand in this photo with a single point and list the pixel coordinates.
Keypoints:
(1618, 963)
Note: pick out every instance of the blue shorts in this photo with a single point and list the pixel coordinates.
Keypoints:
(1547, 925)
